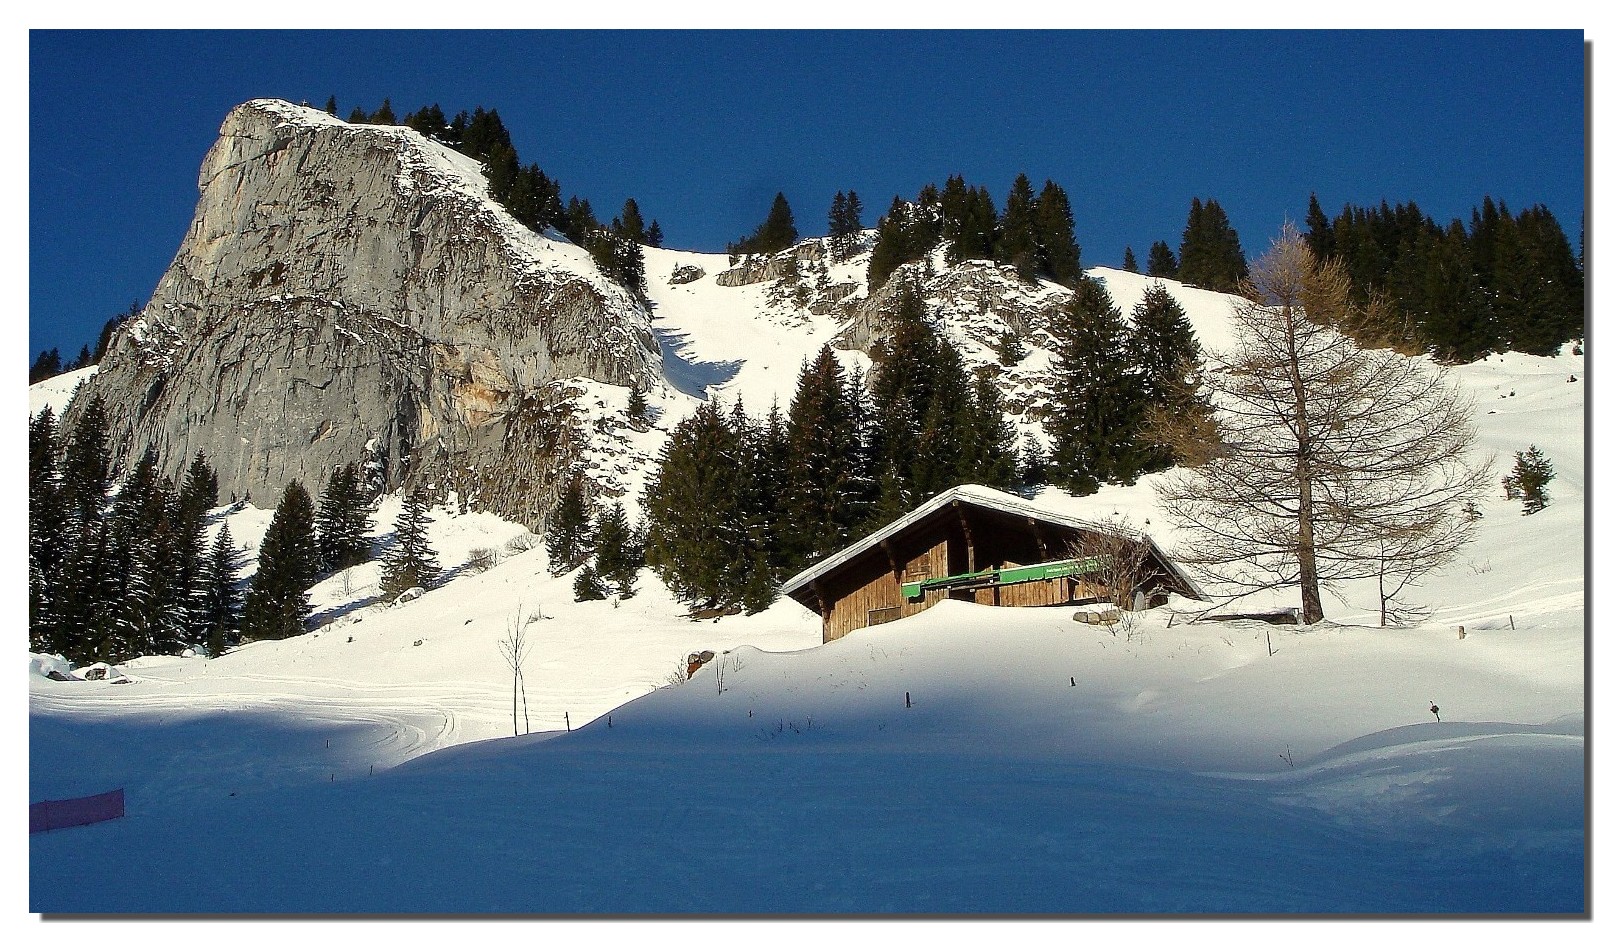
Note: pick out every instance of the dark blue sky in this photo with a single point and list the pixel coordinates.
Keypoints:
(703, 128)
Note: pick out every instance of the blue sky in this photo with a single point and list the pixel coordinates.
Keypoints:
(703, 128)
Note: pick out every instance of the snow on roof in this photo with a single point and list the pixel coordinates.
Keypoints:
(975, 495)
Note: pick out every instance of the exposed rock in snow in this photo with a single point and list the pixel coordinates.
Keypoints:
(344, 286)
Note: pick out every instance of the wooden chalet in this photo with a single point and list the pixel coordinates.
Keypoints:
(977, 544)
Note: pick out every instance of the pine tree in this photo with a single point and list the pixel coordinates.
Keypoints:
(48, 365)
(1164, 344)
(332, 105)
(1128, 262)
(89, 584)
(1162, 263)
(1210, 255)
(1096, 413)
(277, 600)
(773, 235)
(1321, 240)
(1018, 241)
(1033, 461)
(384, 116)
(630, 223)
(1528, 479)
(357, 116)
(410, 562)
(890, 249)
(1058, 255)
(656, 235)
(568, 531)
(700, 541)
(589, 585)
(636, 404)
(821, 491)
(618, 554)
(342, 520)
(219, 620)
(47, 542)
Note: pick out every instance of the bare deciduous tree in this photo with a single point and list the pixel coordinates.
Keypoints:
(1114, 558)
(1335, 463)
(514, 648)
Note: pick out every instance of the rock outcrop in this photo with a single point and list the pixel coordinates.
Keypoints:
(350, 293)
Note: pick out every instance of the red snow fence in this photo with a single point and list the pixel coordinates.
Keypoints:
(56, 814)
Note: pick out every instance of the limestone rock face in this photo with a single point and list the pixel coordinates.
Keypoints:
(349, 293)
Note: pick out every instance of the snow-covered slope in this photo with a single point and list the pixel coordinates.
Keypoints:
(1210, 767)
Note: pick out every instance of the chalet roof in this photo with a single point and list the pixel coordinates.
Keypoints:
(985, 498)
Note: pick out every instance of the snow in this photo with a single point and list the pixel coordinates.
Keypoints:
(57, 392)
(964, 760)
(1228, 767)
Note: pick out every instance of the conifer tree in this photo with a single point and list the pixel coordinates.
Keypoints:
(47, 542)
(1321, 240)
(618, 554)
(1058, 255)
(773, 235)
(568, 531)
(1162, 263)
(1033, 461)
(357, 116)
(1018, 240)
(277, 600)
(1210, 256)
(698, 539)
(890, 249)
(630, 223)
(342, 520)
(636, 404)
(410, 562)
(48, 365)
(1128, 262)
(656, 235)
(589, 585)
(219, 619)
(384, 116)
(1164, 345)
(89, 584)
(821, 494)
(1096, 414)
(1528, 479)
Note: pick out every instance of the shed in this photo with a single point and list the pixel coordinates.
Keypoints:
(978, 544)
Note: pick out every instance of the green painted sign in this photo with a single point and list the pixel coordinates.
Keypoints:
(1064, 568)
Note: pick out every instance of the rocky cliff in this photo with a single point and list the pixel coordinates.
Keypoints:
(350, 293)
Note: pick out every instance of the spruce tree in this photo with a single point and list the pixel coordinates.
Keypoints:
(1018, 241)
(47, 541)
(1128, 262)
(1210, 256)
(342, 520)
(589, 585)
(278, 600)
(332, 105)
(773, 235)
(568, 531)
(1162, 263)
(1095, 415)
(89, 585)
(219, 620)
(1033, 461)
(1058, 255)
(48, 365)
(656, 235)
(410, 562)
(822, 488)
(1528, 479)
(1321, 240)
(699, 538)
(1164, 345)
(618, 554)
(631, 225)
